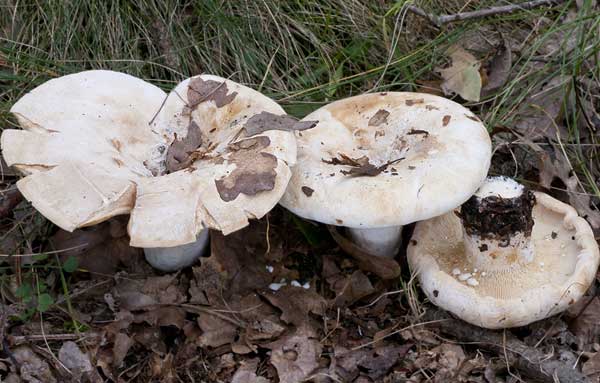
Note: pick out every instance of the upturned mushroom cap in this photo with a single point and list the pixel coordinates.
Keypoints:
(99, 143)
(565, 261)
(387, 159)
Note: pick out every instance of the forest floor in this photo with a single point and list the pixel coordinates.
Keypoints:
(85, 306)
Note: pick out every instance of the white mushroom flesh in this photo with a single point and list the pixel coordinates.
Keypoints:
(383, 242)
(516, 290)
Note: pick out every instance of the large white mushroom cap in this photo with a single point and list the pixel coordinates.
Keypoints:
(564, 265)
(433, 154)
(100, 143)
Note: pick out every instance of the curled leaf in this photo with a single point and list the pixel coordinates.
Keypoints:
(462, 76)
(268, 121)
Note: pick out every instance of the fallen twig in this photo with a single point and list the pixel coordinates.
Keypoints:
(481, 13)
(530, 361)
(17, 340)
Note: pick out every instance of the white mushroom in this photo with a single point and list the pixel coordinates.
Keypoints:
(502, 231)
(97, 144)
(378, 161)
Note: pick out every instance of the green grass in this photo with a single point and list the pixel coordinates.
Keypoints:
(305, 53)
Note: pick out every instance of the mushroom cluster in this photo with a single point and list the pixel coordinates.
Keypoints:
(213, 154)
(95, 144)
(509, 257)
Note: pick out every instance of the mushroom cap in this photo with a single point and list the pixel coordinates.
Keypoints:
(94, 144)
(565, 261)
(444, 148)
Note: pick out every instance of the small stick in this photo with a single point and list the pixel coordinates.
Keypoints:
(481, 13)
(16, 340)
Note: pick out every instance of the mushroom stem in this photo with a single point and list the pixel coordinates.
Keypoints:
(497, 224)
(381, 242)
(178, 257)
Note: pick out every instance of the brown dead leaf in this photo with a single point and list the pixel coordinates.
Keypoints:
(351, 289)
(145, 294)
(122, 344)
(9, 199)
(498, 69)
(254, 172)
(578, 198)
(591, 367)
(538, 116)
(376, 363)
(200, 91)
(268, 121)
(359, 166)
(295, 356)
(99, 249)
(236, 265)
(180, 153)
(449, 359)
(215, 331)
(163, 316)
(246, 373)
(162, 368)
(151, 338)
(584, 324)
(383, 267)
(31, 367)
(430, 86)
(77, 362)
(296, 303)
(462, 76)
(262, 319)
(380, 117)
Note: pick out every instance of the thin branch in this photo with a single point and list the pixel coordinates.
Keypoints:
(481, 13)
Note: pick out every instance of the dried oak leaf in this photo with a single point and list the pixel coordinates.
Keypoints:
(375, 362)
(122, 344)
(254, 172)
(246, 373)
(585, 325)
(351, 289)
(380, 117)
(264, 121)
(262, 319)
(200, 91)
(145, 294)
(32, 368)
(296, 303)
(539, 114)
(359, 166)
(99, 249)
(462, 76)
(295, 356)
(498, 70)
(77, 362)
(180, 153)
(216, 331)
